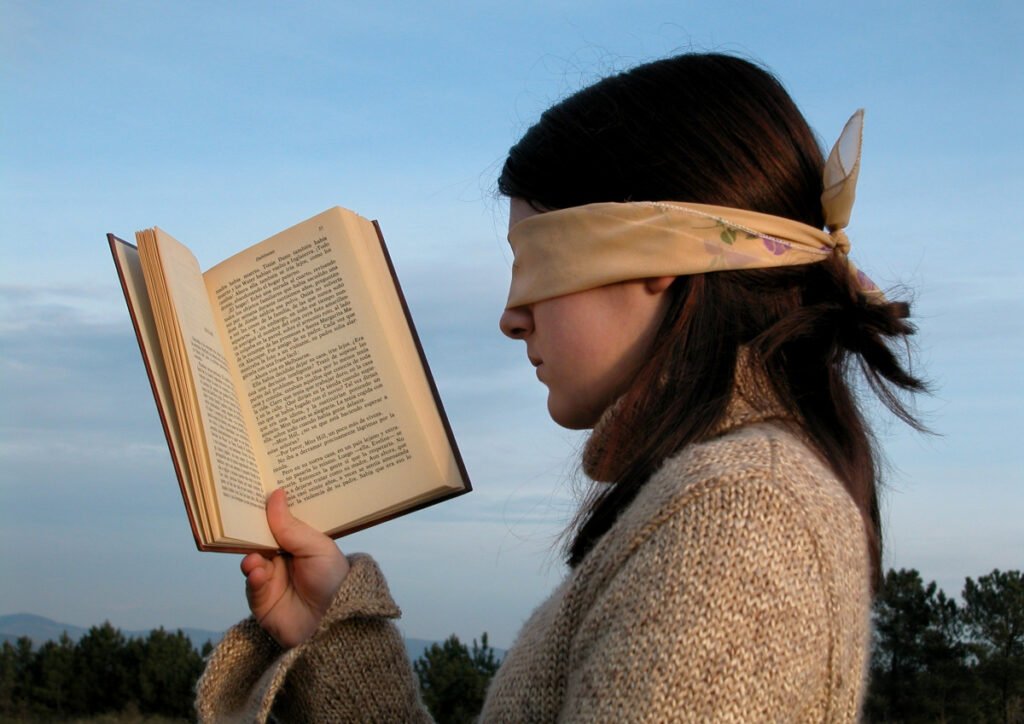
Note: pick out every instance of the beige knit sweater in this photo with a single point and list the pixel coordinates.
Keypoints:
(734, 588)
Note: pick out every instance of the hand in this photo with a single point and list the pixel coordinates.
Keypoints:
(289, 593)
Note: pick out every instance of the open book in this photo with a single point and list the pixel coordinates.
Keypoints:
(293, 364)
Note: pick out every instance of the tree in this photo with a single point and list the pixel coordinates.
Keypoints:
(901, 617)
(8, 679)
(103, 667)
(453, 679)
(53, 677)
(168, 668)
(949, 684)
(20, 664)
(994, 616)
(484, 659)
(919, 666)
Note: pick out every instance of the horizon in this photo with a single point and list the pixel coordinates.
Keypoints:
(414, 647)
(226, 124)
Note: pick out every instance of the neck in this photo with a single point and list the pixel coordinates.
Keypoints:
(751, 400)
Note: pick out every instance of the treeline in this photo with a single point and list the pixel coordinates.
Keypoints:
(933, 659)
(102, 673)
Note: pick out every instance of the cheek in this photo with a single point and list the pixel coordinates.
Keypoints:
(598, 367)
(593, 345)
(604, 342)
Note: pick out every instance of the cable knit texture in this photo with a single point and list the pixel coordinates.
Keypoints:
(733, 588)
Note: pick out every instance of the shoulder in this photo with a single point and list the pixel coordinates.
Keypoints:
(756, 497)
(753, 513)
(763, 471)
(745, 556)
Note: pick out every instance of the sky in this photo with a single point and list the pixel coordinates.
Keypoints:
(224, 123)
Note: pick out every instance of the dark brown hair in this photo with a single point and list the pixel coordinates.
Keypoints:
(716, 129)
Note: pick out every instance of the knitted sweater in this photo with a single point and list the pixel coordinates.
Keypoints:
(733, 588)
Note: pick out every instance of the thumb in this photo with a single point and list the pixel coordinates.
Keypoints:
(291, 534)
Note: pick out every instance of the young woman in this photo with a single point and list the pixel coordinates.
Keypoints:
(677, 293)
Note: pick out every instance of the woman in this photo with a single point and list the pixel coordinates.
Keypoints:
(677, 294)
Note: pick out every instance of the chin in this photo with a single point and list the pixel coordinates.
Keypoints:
(572, 418)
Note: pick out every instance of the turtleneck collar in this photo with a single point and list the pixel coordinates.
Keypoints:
(753, 401)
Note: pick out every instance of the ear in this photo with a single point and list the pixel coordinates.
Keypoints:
(657, 285)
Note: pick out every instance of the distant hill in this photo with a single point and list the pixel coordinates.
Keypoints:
(41, 629)
(37, 628)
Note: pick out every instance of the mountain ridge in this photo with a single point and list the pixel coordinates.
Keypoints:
(41, 629)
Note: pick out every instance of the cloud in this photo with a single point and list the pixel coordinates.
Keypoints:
(41, 307)
(68, 374)
(87, 471)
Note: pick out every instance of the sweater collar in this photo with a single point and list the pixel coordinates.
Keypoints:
(753, 401)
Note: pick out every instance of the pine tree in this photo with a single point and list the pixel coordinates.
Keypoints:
(167, 672)
(8, 679)
(21, 663)
(54, 690)
(453, 679)
(919, 668)
(994, 614)
(103, 667)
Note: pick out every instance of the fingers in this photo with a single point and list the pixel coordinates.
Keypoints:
(260, 587)
(265, 582)
(253, 561)
(291, 533)
(288, 594)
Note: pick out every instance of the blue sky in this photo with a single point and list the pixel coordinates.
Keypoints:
(226, 122)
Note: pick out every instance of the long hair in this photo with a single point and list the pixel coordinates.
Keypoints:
(715, 129)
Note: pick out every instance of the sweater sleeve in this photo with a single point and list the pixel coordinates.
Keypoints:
(353, 668)
(720, 613)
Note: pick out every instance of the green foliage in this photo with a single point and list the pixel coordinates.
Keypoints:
(103, 665)
(16, 677)
(915, 658)
(167, 671)
(8, 677)
(104, 677)
(994, 617)
(453, 678)
(934, 660)
(53, 677)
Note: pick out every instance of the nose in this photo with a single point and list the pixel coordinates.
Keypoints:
(516, 322)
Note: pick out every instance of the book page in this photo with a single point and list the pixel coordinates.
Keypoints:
(409, 358)
(207, 397)
(335, 420)
(130, 270)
